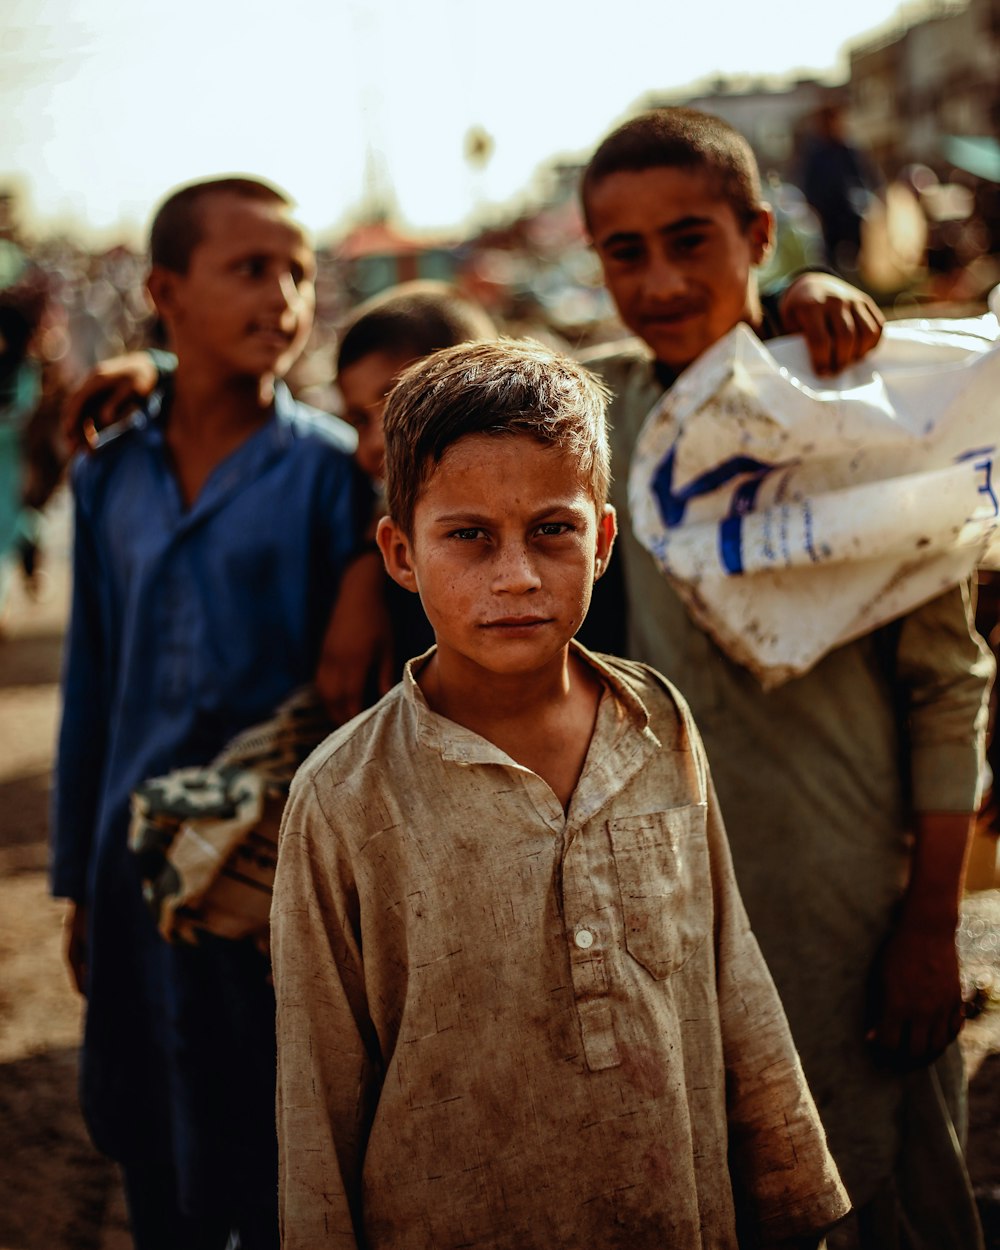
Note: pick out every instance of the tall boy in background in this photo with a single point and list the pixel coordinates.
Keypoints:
(519, 1006)
(820, 780)
(210, 536)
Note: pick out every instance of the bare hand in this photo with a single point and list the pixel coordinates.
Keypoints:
(77, 952)
(105, 396)
(840, 323)
(358, 641)
(917, 996)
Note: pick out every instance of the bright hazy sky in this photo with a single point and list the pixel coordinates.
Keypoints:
(108, 103)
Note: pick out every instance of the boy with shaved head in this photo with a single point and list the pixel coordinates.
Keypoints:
(210, 536)
(824, 780)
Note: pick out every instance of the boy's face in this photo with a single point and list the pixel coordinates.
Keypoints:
(505, 545)
(676, 259)
(365, 386)
(245, 305)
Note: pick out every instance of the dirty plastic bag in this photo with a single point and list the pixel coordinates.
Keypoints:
(793, 513)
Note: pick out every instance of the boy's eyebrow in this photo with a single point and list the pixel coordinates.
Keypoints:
(690, 222)
(466, 518)
(479, 518)
(686, 223)
(255, 251)
(619, 236)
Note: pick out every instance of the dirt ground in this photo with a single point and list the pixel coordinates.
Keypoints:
(56, 1192)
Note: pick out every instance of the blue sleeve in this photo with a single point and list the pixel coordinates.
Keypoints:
(340, 517)
(83, 732)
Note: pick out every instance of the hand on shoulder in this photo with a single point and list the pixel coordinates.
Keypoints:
(105, 396)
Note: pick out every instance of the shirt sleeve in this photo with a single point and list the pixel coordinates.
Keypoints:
(83, 729)
(340, 518)
(329, 1071)
(945, 670)
(785, 1182)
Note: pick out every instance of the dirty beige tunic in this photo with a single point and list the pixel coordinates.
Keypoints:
(502, 1026)
(815, 780)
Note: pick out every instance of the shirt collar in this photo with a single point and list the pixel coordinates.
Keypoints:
(151, 418)
(242, 465)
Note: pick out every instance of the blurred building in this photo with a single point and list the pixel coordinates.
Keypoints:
(376, 255)
(913, 90)
(774, 114)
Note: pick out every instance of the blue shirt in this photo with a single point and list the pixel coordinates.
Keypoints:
(189, 624)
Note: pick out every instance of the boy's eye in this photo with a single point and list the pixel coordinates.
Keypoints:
(470, 534)
(554, 529)
(251, 267)
(626, 253)
(687, 243)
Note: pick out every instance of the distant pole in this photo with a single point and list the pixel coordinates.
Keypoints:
(478, 148)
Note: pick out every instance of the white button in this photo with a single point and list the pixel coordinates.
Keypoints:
(584, 939)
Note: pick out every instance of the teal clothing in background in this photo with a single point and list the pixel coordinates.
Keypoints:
(20, 392)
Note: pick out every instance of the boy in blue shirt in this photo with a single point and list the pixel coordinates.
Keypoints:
(210, 536)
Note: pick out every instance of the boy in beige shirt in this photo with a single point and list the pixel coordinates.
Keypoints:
(519, 1004)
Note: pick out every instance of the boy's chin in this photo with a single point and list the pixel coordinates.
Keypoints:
(265, 371)
(677, 351)
(272, 363)
(674, 354)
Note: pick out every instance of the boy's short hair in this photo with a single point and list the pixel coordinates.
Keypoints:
(502, 387)
(681, 138)
(412, 320)
(178, 224)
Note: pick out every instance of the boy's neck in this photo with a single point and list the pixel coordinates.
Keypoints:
(209, 417)
(544, 720)
(753, 310)
(214, 403)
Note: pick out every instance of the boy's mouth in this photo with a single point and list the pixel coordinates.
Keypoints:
(516, 622)
(671, 316)
(273, 335)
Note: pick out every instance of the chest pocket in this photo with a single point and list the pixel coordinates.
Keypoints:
(665, 885)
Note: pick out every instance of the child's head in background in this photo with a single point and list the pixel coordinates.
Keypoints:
(383, 337)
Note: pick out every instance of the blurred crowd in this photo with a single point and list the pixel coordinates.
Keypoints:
(923, 240)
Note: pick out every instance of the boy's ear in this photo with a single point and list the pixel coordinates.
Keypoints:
(395, 548)
(760, 232)
(607, 529)
(161, 285)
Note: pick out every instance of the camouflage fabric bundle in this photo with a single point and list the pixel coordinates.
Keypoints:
(207, 838)
(978, 942)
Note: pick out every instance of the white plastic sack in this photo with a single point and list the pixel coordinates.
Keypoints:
(794, 513)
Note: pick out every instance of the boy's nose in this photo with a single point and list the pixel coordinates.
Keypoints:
(514, 571)
(663, 279)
